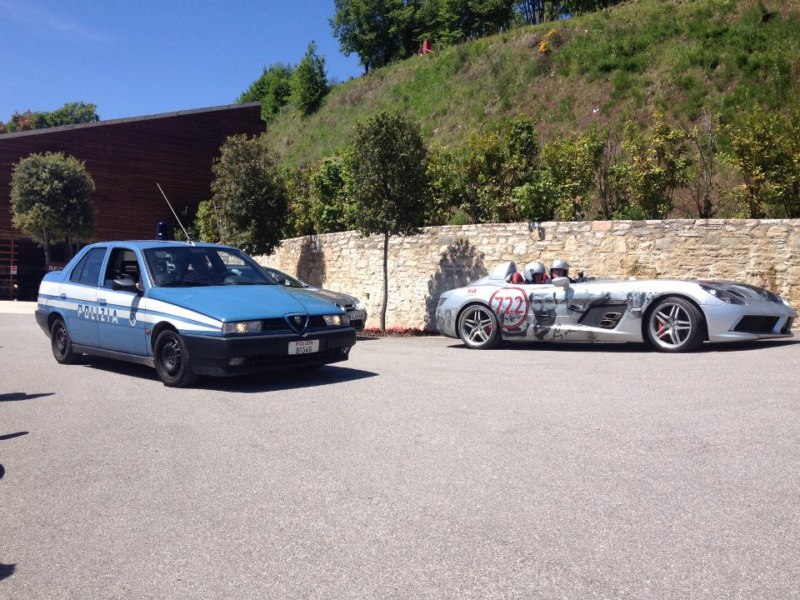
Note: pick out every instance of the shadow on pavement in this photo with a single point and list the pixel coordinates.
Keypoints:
(6, 571)
(629, 348)
(284, 380)
(252, 383)
(11, 436)
(18, 396)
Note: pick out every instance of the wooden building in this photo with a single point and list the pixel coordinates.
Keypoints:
(126, 158)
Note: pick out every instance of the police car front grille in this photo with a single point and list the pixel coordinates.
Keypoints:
(274, 325)
(279, 324)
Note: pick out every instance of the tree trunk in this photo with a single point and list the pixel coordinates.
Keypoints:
(46, 247)
(385, 280)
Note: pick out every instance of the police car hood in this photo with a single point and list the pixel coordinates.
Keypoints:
(244, 302)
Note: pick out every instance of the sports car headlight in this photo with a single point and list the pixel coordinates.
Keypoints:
(336, 320)
(722, 295)
(241, 327)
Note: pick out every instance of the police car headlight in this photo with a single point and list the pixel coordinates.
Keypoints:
(336, 320)
(360, 305)
(241, 327)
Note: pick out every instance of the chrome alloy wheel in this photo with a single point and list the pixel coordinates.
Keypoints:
(478, 327)
(675, 325)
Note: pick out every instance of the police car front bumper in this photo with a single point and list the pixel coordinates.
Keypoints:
(221, 356)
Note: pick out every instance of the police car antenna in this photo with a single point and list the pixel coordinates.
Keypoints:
(188, 239)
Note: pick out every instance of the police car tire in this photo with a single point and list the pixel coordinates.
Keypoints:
(61, 344)
(172, 360)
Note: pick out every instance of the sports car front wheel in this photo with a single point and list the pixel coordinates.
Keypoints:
(478, 327)
(675, 325)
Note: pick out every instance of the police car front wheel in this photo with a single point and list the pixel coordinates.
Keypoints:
(172, 360)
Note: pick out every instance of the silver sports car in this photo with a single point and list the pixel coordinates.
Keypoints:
(671, 315)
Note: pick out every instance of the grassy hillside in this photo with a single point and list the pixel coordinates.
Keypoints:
(685, 58)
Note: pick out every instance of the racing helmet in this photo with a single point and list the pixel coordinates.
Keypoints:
(534, 272)
(560, 264)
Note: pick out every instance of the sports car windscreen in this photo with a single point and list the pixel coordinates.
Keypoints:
(203, 266)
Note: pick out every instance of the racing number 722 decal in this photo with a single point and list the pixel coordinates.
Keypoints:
(511, 307)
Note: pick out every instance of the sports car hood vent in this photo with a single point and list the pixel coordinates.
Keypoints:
(743, 292)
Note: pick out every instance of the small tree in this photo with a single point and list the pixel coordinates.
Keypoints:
(658, 167)
(703, 137)
(72, 113)
(249, 195)
(272, 89)
(389, 183)
(766, 151)
(331, 206)
(206, 222)
(309, 84)
(299, 218)
(51, 197)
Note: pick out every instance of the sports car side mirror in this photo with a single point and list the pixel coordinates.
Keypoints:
(562, 282)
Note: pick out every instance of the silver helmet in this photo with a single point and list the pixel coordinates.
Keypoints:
(560, 264)
(532, 270)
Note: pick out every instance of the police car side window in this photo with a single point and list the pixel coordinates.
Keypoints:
(87, 271)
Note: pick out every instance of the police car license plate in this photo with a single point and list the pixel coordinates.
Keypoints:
(304, 347)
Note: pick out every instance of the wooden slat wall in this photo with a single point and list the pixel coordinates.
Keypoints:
(126, 158)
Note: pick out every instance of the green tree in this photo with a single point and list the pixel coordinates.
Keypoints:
(388, 183)
(206, 222)
(299, 219)
(249, 194)
(273, 89)
(309, 83)
(377, 31)
(332, 209)
(445, 186)
(659, 162)
(72, 113)
(571, 165)
(51, 197)
(495, 164)
(448, 22)
(765, 148)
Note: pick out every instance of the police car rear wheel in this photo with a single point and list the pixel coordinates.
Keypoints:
(172, 360)
(61, 344)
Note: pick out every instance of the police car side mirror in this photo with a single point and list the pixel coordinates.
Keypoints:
(124, 283)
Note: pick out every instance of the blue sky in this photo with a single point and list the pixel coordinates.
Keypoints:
(153, 56)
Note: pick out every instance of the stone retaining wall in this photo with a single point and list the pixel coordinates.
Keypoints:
(421, 267)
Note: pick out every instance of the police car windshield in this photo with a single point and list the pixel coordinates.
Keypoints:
(282, 278)
(192, 266)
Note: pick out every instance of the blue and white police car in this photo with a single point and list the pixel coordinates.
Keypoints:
(187, 309)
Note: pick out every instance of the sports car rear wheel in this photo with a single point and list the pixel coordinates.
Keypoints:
(478, 327)
(675, 325)
(61, 343)
(172, 360)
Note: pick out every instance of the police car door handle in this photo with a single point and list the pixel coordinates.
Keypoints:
(101, 301)
(63, 296)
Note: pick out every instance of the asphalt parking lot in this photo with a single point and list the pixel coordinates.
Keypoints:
(418, 469)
